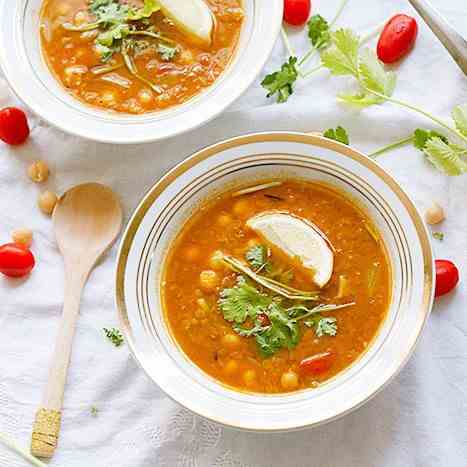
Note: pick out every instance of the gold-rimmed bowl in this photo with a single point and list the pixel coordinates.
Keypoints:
(25, 68)
(239, 162)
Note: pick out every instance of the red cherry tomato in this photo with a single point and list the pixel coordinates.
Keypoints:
(397, 38)
(447, 276)
(15, 260)
(296, 12)
(14, 128)
(318, 363)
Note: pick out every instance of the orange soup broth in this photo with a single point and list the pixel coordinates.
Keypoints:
(72, 55)
(220, 225)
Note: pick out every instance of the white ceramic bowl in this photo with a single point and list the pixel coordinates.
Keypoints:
(25, 69)
(236, 163)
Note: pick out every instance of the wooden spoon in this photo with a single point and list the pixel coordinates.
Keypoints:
(87, 220)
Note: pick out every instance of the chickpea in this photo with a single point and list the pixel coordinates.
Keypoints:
(203, 304)
(38, 171)
(217, 260)
(231, 367)
(63, 9)
(200, 313)
(249, 377)
(47, 201)
(224, 220)
(23, 236)
(434, 214)
(186, 57)
(108, 98)
(145, 96)
(80, 18)
(289, 380)
(241, 208)
(192, 253)
(208, 280)
(231, 340)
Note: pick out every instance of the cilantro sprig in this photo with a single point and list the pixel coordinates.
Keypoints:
(339, 134)
(272, 320)
(115, 336)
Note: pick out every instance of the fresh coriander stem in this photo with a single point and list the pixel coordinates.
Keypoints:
(8, 442)
(289, 48)
(389, 147)
(311, 53)
(312, 71)
(420, 111)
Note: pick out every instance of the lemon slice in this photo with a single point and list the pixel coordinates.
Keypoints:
(297, 238)
(192, 17)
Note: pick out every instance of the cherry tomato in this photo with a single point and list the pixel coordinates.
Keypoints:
(263, 319)
(397, 38)
(296, 12)
(317, 364)
(16, 260)
(447, 276)
(14, 128)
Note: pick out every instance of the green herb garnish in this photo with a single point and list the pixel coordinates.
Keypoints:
(258, 258)
(318, 32)
(438, 236)
(281, 82)
(94, 411)
(115, 336)
(246, 306)
(167, 52)
(339, 134)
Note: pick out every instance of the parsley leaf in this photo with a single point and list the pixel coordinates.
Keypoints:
(249, 332)
(242, 301)
(459, 115)
(318, 32)
(445, 157)
(115, 33)
(258, 257)
(115, 336)
(167, 52)
(339, 135)
(326, 326)
(439, 236)
(281, 82)
(421, 137)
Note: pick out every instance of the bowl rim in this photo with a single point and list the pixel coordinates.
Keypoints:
(308, 138)
(70, 115)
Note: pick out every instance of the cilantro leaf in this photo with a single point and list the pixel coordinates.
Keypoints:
(318, 32)
(342, 57)
(115, 336)
(445, 157)
(283, 332)
(167, 52)
(373, 76)
(115, 33)
(146, 11)
(281, 82)
(459, 115)
(438, 236)
(242, 301)
(339, 134)
(326, 326)
(258, 256)
(421, 137)
(249, 332)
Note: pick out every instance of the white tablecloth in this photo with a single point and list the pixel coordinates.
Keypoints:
(419, 420)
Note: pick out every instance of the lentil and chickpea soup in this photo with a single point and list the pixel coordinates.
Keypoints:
(126, 56)
(248, 314)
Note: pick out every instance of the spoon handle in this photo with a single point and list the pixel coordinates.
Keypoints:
(455, 44)
(47, 423)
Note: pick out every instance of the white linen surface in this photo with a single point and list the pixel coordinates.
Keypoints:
(419, 420)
